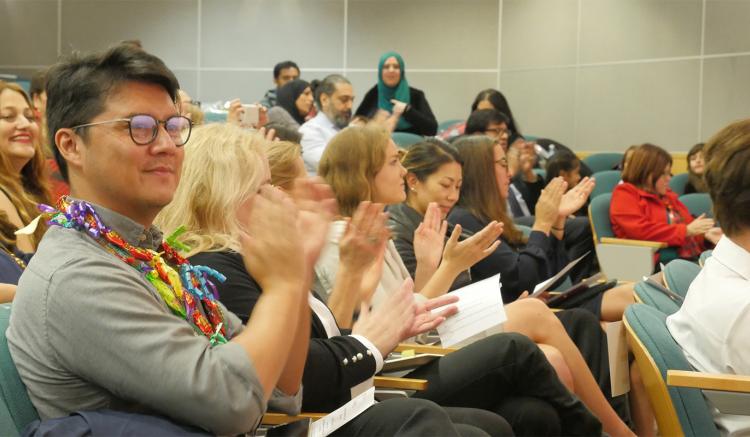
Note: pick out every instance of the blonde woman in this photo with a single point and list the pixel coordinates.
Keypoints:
(221, 176)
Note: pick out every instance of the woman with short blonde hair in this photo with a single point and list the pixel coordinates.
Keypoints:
(219, 153)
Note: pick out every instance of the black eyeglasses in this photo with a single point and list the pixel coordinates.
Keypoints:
(499, 132)
(144, 128)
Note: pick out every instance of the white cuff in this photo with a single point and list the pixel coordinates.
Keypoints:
(375, 352)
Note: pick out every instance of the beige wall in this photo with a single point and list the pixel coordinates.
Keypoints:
(593, 74)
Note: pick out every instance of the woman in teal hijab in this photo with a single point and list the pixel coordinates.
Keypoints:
(392, 94)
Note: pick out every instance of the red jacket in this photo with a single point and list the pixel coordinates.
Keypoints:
(639, 215)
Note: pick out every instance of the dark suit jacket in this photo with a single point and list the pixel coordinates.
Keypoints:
(520, 268)
(419, 113)
(330, 370)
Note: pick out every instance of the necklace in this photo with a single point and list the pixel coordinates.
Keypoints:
(181, 285)
(16, 259)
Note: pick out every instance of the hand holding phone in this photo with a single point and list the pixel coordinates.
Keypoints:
(251, 115)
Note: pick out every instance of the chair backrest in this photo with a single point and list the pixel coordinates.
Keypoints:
(603, 161)
(679, 274)
(606, 181)
(704, 256)
(679, 411)
(13, 396)
(599, 217)
(678, 183)
(443, 125)
(647, 294)
(698, 203)
(405, 140)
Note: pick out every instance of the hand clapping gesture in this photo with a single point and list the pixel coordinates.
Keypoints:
(429, 238)
(548, 205)
(272, 247)
(317, 206)
(461, 255)
(362, 247)
(575, 198)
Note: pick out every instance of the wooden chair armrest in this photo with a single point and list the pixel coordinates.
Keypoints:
(709, 381)
(400, 383)
(626, 242)
(279, 418)
(379, 381)
(424, 349)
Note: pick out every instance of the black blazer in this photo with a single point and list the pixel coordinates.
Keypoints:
(418, 113)
(331, 369)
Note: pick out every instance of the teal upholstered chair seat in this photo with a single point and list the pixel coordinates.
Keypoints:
(606, 181)
(16, 410)
(602, 161)
(698, 203)
(651, 296)
(679, 274)
(678, 183)
(405, 140)
(648, 332)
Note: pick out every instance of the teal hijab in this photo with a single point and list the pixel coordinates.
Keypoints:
(400, 92)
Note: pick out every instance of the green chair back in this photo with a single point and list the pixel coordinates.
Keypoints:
(650, 339)
(698, 203)
(405, 140)
(678, 183)
(704, 256)
(651, 296)
(602, 161)
(16, 409)
(446, 124)
(599, 216)
(679, 274)
(606, 181)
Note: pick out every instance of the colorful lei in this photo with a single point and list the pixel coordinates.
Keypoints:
(182, 285)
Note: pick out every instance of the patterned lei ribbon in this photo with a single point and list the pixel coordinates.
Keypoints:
(181, 285)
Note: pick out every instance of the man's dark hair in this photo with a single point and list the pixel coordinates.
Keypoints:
(481, 119)
(283, 65)
(78, 86)
(38, 83)
(327, 86)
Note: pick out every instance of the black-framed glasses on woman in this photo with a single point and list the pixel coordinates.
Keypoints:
(144, 128)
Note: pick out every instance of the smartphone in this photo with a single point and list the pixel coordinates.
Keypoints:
(251, 117)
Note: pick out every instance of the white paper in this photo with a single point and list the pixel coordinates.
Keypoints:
(480, 307)
(335, 420)
(617, 349)
(544, 285)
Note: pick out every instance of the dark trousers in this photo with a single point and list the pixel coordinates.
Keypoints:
(508, 374)
(420, 417)
(586, 332)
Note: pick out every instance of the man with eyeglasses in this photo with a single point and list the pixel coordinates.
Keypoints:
(93, 328)
(97, 322)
